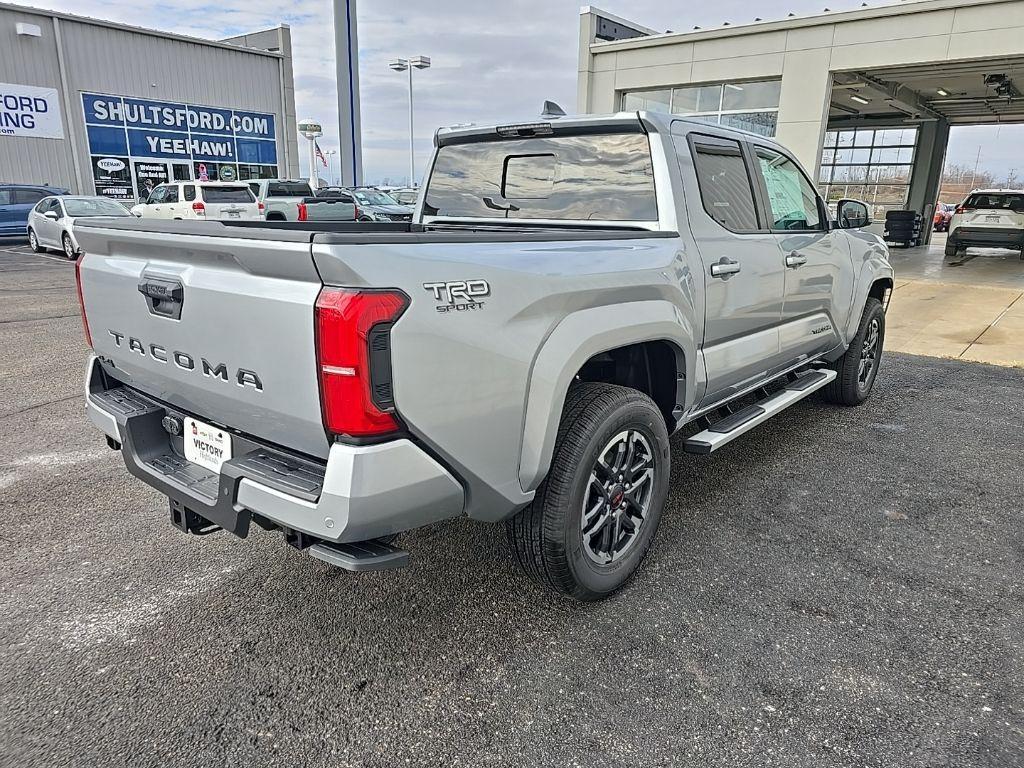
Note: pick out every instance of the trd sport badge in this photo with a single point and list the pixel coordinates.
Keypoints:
(459, 295)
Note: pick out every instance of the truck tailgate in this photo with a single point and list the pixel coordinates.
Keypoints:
(217, 325)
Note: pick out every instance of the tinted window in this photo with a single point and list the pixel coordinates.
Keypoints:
(190, 192)
(793, 201)
(228, 195)
(5, 197)
(28, 196)
(995, 202)
(724, 184)
(608, 177)
(172, 194)
(157, 195)
(289, 189)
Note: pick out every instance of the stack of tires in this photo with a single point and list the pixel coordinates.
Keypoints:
(903, 228)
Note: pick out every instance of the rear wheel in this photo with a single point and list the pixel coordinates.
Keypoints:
(33, 242)
(951, 250)
(595, 515)
(858, 367)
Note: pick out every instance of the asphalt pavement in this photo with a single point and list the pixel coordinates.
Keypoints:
(841, 587)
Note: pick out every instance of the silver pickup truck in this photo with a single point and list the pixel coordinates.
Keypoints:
(569, 295)
(293, 200)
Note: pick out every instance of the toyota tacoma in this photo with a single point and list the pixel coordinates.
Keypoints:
(570, 293)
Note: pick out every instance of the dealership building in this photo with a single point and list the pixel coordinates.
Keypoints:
(864, 98)
(109, 109)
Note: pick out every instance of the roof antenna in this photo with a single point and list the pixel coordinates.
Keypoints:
(551, 111)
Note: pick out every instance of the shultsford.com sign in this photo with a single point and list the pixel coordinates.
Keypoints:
(26, 110)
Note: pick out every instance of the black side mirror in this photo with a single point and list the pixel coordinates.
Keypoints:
(852, 214)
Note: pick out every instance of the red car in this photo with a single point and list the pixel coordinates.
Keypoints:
(943, 213)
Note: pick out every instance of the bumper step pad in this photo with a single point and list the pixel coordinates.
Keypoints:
(361, 555)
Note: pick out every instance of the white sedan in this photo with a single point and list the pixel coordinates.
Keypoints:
(51, 221)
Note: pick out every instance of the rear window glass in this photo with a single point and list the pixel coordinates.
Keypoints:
(996, 201)
(228, 195)
(597, 178)
(289, 189)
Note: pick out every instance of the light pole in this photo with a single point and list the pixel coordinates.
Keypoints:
(401, 65)
(330, 164)
(311, 129)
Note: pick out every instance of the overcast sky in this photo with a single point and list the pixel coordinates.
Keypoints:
(491, 60)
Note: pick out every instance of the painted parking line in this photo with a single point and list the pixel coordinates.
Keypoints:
(59, 259)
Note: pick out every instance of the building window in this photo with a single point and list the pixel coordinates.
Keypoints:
(750, 106)
(869, 164)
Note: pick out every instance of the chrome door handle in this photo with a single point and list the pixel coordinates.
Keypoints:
(724, 268)
(795, 260)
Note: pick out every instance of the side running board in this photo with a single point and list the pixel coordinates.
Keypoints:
(745, 419)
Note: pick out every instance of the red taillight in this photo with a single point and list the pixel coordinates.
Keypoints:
(199, 208)
(262, 208)
(303, 213)
(344, 321)
(355, 214)
(81, 299)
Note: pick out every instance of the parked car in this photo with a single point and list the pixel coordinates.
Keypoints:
(51, 221)
(373, 204)
(988, 218)
(201, 200)
(943, 214)
(293, 200)
(17, 200)
(405, 196)
(519, 357)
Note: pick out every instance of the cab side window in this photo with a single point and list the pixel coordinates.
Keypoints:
(55, 206)
(724, 182)
(792, 199)
(157, 195)
(172, 194)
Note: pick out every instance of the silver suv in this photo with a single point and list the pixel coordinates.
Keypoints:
(569, 295)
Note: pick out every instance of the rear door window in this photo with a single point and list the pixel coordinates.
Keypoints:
(5, 196)
(725, 188)
(190, 192)
(172, 194)
(604, 177)
(29, 196)
(228, 195)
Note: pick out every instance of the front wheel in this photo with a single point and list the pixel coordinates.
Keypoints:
(33, 242)
(595, 515)
(858, 367)
(69, 247)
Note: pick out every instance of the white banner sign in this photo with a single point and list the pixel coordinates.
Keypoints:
(29, 111)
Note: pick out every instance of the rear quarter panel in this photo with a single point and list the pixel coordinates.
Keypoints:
(463, 378)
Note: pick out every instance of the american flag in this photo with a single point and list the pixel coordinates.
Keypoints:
(319, 153)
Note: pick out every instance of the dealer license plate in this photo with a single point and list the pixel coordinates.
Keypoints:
(206, 445)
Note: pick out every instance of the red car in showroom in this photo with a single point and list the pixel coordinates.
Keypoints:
(943, 213)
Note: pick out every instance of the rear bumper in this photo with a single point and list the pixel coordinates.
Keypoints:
(358, 493)
(982, 237)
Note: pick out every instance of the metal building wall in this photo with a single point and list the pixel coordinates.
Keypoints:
(32, 61)
(129, 62)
